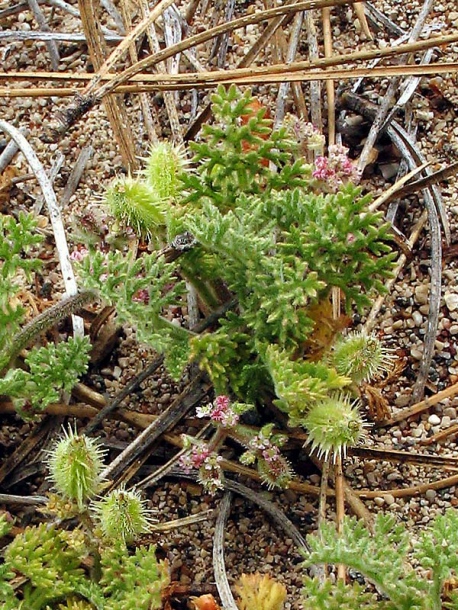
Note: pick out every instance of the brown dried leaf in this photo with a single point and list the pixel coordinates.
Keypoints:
(6, 183)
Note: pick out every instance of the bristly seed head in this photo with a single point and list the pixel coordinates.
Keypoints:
(334, 424)
(361, 357)
(123, 515)
(75, 464)
(136, 205)
(164, 165)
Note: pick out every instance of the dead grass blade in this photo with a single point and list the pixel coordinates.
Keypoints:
(219, 566)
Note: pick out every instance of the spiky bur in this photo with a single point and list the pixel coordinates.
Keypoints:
(136, 204)
(122, 515)
(259, 592)
(163, 167)
(361, 357)
(333, 425)
(75, 464)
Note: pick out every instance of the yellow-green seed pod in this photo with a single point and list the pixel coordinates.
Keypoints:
(163, 166)
(361, 357)
(122, 515)
(137, 205)
(334, 424)
(75, 464)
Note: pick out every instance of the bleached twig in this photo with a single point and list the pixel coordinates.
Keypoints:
(54, 215)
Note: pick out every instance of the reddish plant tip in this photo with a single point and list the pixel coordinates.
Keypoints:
(204, 602)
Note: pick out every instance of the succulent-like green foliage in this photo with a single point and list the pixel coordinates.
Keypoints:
(48, 561)
(328, 595)
(341, 241)
(142, 290)
(6, 573)
(300, 384)
(133, 582)
(52, 370)
(385, 558)
(42, 567)
(17, 239)
(260, 592)
(235, 152)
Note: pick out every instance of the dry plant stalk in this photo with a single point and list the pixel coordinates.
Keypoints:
(114, 104)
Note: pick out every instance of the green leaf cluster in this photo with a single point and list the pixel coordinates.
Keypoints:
(52, 369)
(264, 236)
(46, 563)
(17, 239)
(300, 384)
(236, 153)
(385, 558)
(132, 582)
(277, 245)
(142, 291)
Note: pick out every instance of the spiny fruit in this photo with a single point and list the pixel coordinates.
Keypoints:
(75, 464)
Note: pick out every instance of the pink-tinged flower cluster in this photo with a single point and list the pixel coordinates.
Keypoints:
(141, 296)
(207, 462)
(272, 465)
(79, 254)
(195, 458)
(220, 411)
(306, 134)
(335, 169)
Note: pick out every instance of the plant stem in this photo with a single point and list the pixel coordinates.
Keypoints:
(340, 506)
(43, 322)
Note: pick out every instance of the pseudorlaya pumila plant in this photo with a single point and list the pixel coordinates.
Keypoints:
(273, 235)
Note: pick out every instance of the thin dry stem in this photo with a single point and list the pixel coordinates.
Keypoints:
(143, 96)
(358, 7)
(315, 86)
(340, 506)
(54, 216)
(162, 82)
(330, 91)
(219, 566)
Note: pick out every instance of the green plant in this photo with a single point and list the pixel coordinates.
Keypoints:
(279, 236)
(386, 559)
(259, 592)
(48, 566)
(51, 369)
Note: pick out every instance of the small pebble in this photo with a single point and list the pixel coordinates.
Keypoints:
(389, 499)
(434, 420)
(417, 318)
(422, 294)
(430, 494)
(451, 300)
(416, 353)
(450, 412)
